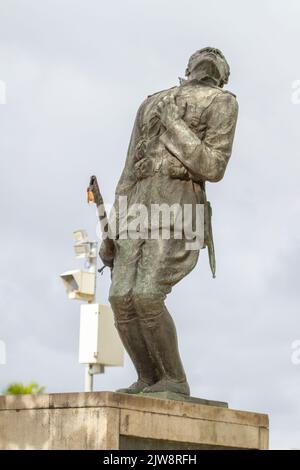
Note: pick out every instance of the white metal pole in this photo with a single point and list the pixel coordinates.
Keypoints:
(92, 268)
(88, 382)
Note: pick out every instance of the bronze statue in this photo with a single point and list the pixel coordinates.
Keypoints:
(182, 137)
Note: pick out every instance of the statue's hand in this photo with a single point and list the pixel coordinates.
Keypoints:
(168, 111)
(107, 252)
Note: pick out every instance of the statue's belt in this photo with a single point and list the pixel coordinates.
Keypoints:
(160, 166)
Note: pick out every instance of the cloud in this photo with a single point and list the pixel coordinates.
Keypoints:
(75, 75)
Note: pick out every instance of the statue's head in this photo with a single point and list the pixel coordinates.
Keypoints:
(208, 64)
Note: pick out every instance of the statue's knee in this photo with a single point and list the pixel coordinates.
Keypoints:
(140, 302)
(148, 308)
(122, 307)
(147, 301)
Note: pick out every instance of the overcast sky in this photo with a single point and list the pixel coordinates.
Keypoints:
(75, 73)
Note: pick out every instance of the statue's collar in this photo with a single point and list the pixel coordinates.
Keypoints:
(205, 82)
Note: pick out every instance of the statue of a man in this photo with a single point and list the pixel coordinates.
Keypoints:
(182, 137)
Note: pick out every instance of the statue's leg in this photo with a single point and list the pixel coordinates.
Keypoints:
(162, 264)
(159, 331)
(130, 332)
(126, 320)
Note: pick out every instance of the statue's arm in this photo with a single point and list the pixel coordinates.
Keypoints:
(206, 159)
(127, 178)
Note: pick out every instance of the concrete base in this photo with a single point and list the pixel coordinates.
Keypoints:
(107, 420)
(185, 398)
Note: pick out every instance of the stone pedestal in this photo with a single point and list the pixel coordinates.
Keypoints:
(107, 420)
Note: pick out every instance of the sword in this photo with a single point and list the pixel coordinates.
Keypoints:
(94, 196)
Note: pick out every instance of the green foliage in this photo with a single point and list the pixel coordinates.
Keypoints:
(17, 388)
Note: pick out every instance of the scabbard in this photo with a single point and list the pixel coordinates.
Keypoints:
(208, 237)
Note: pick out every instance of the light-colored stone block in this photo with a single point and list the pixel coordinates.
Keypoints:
(24, 429)
(107, 420)
(84, 428)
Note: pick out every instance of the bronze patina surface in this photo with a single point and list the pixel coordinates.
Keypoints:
(182, 138)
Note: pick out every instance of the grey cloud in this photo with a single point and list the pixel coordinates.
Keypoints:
(76, 72)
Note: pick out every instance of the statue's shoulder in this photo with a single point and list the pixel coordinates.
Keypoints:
(202, 96)
(224, 97)
(226, 92)
(162, 91)
(207, 93)
(222, 91)
(150, 100)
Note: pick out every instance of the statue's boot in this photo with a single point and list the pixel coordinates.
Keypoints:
(135, 345)
(160, 334)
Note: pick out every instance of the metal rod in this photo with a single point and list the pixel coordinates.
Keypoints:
(89, 378)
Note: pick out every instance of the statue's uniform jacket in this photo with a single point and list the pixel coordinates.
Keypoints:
(166, 165)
